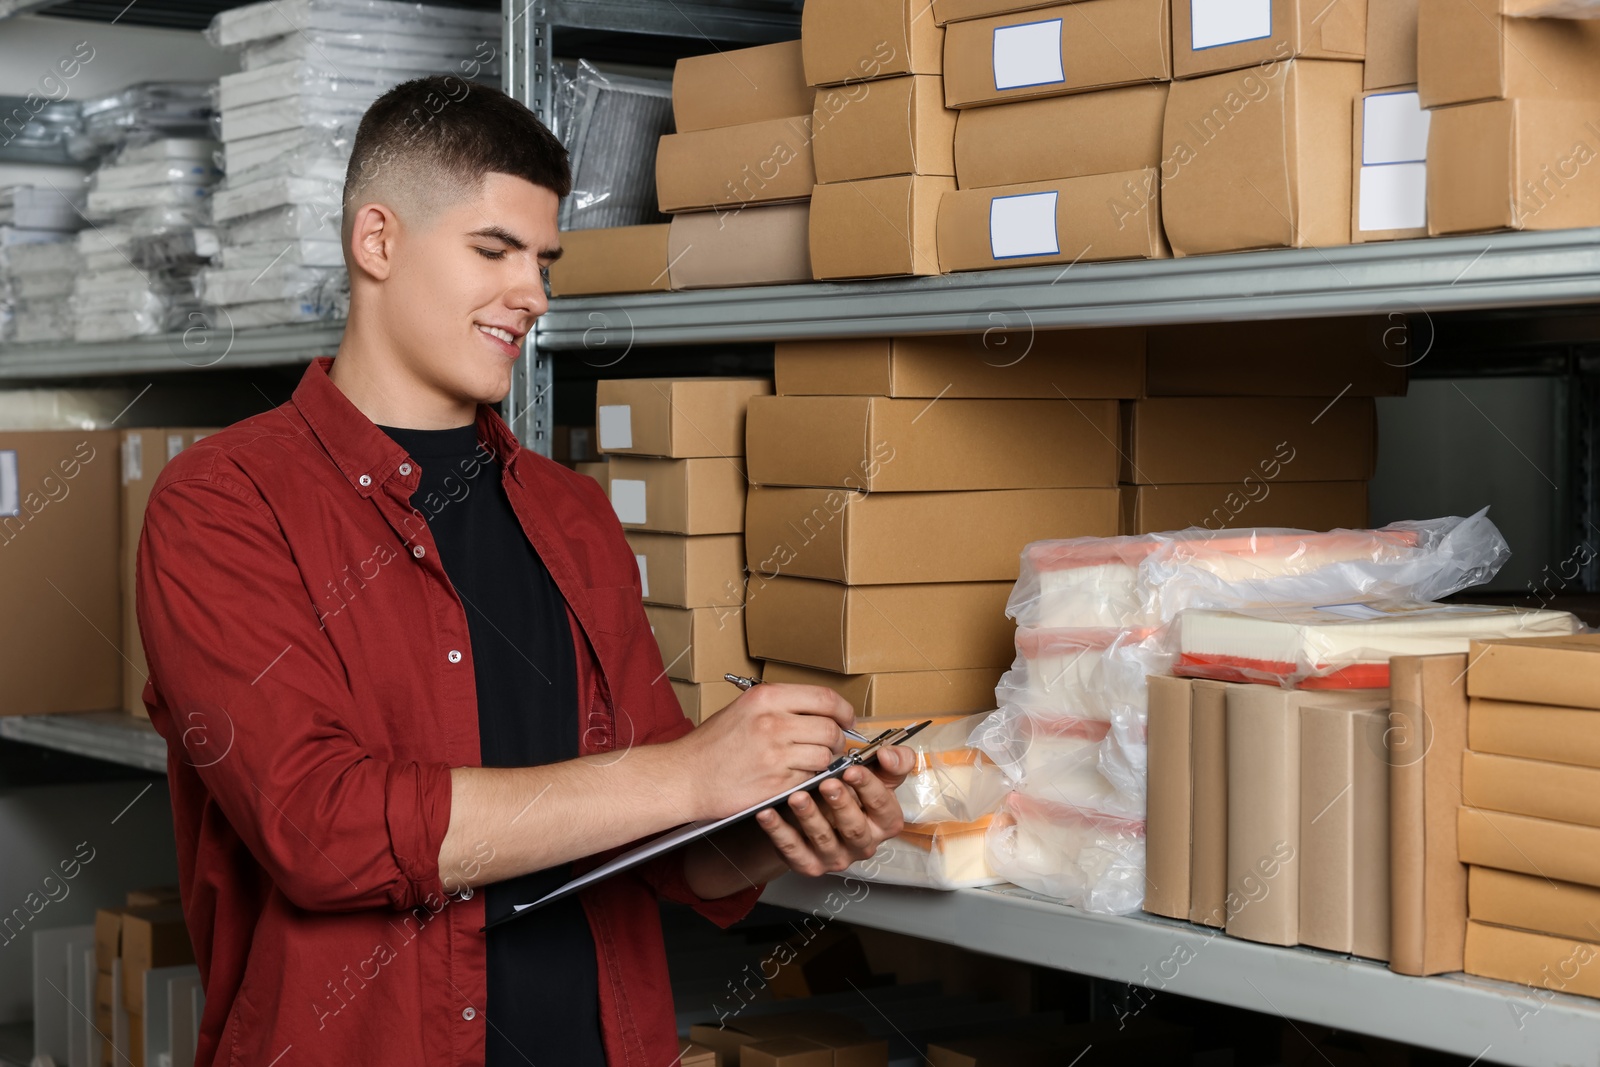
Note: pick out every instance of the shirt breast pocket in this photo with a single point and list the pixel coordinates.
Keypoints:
(615, 609)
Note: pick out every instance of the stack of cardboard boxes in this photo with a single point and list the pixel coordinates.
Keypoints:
(677, 483)
(1389, 146)
(129, 942)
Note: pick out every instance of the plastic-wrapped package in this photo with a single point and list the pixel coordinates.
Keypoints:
(243, 155)
(1094, 862)
(120, 323)
(379, 50)
(170, 150)
(41, 320)
(952, 782)
(1083, 673)
(288, 113)
(41, 207)
(318, 308)
(313, 78)
(168, 172)
(303, 253)
(274, 18)
(935, 855)
(1065, 761)
(44, 257)
(104, 202)
(43, 286)
(288, 222)
(143, 112)
(324, 168)
(616, 122)
(236, 201)
(178, 248)
(218, 286)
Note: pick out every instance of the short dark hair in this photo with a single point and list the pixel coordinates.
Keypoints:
(460, 130)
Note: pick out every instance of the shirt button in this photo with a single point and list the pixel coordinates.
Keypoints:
(405, 468)
(455, 655)
(365, 479)
(419, 551)
(469, 1013)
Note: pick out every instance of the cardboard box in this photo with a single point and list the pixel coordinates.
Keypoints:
(1087, 219)
(1558, 791)
(1534, 731)
(1265, 852)
(1259, 160)
(858, 629)
(1208, 875)
(1082, 364)
(1564, 671)
(817, 1050)
(1344, 829)
(768, 245)
(1467, 51)
(739, 86)
(1169, 807)
(957, 10)
(753, 163)
(107, 937)
(895, 538)
(1558, 964)
(899, 693)
(1211, 36)
(1514, 165)
(1426, 737)
(1539, 905)
(701, 644)
(151, 896)
(151, 937)
(879, 444)
(1060, 137)
(682, 418)
(600, 472)
(1276, 440)
(880, 227)
(883, 128)
(852, 41)
(1250, 502)
(570, 445)
(689, 572)
(620, 259)
(728, 1039)
(1389, 146)
(59, 534)
(682, 496)
(693, 1055)
(1355, 356)
(1391, 44)
(1567, 852)
(1093, 44)
(701, 700)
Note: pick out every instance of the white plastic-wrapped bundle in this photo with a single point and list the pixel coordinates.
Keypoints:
(39, 277)
(1087, 764)
(1090, 860)
(934, 855)
(953, 781)
(1082, 673)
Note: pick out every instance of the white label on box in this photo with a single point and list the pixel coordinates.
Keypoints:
(1029, 54)
(132, 458)
(10, 497)
(1214, 23)
(644, 573)
(1394, 129)
(174, 445)
(616, 426)
(627, 500)
(1394, 197)
(1023, 225)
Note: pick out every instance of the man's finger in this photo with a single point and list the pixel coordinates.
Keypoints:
(877, 796)
(791, 844)
(808, 700)
(849, 821)
(819, 831)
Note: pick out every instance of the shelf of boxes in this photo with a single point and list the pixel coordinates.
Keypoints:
(113, 736)
(1473, 1017)
(213, 346)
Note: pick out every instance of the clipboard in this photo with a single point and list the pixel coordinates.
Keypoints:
(694, 831)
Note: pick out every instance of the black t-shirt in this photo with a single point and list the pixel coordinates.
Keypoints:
(543, 978)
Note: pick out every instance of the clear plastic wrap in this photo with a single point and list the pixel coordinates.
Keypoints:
(616, 123)
(43, 285)
(44, 257)
(935, 855)
(41, 207)
(170, 150)
(247, 154)
(144, 112)
(1094, 862)
(953, 782)
(322, 308)
(42, 320)
(165, 172)
(289, 113)
(236, 201)
(302, 253)
(275, 18)
(323, 168)
(288, 222)
(379, 50)
(1085, 673)
(309, 78)
(1066, 761)
(103, 202)
(279, 282)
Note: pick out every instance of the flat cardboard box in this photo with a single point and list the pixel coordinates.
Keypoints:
(1354, 355)
(1467, 51)
(681, 496)
(1087, 219)
(880, 227)
(600, 471)
(621, 259)
(1558, 964)
(1514, 164)
(1060, 137)
(1389, 160)
(1093, 44)
(151, 896)
(1169, 806)
(1426, 737)
(1558, 791)
(1209, 37)
(1539, 905)
(1082, 364)
(766, 245)
(858, 629)
(1563, 671)
(738, 86)
(892, 694)
(682, 418)
(59, 536)
(1208, 877)
(689, 572)
(897, 538)
(1344, 829)
(945, 11)
(1277, 440)
(1259, 160)
(816, 1050)
(1250, 502)
(727, 1039)
(752, 163)
(1566, 852)
(693, 1055)
(701, 644)
(903, 445)
(1534, 731)
(701, 700)
(107, 938)
(151, 937)
(1391, 44)
(883, 128)
(861, 40)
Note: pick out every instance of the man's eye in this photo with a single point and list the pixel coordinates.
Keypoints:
(490, 253)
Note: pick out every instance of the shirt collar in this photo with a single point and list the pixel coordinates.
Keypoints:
(362, 451)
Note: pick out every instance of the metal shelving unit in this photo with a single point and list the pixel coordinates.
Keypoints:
(113, 736)
(201, 348)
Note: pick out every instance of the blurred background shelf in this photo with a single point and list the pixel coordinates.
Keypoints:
(113, 736)
(200, 349)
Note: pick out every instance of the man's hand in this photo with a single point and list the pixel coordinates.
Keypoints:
(856, 816)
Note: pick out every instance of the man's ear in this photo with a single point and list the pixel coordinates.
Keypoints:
(372, 240)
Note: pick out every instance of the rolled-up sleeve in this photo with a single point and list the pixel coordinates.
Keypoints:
(255, 696)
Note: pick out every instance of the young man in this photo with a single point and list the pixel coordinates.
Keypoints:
(398, 659)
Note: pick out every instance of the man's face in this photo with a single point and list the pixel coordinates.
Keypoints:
(467, 286)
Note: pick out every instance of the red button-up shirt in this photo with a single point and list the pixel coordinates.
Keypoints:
(312, 673)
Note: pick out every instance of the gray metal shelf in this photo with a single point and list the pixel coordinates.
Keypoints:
(1500, 1022)
(1529, 269)
(198, 349)
(113, 736)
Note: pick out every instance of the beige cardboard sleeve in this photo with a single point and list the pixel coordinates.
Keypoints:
(1534, 731)
(1169, 808)
(1563, 671)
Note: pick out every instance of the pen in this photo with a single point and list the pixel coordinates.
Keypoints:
(748, 683)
